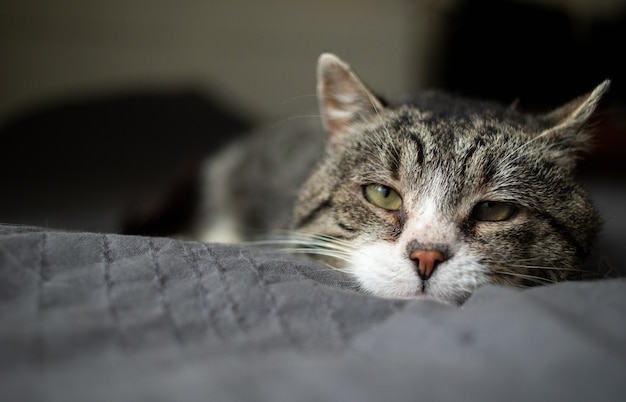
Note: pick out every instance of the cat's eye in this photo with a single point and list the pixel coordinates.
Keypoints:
(493, 211)
(383, 196)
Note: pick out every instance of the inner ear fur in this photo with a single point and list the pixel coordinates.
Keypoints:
(569, 131)
(342, 96)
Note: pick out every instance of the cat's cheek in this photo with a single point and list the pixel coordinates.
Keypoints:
(382, 270)
(458, 278)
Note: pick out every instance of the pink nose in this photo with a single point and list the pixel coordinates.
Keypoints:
(427, 261)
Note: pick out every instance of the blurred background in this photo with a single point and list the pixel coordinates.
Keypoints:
(104, 104)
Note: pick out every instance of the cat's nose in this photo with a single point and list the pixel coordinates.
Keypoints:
(426, 261)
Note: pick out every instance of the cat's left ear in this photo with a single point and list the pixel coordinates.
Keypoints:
(568, 125)
(343, 98)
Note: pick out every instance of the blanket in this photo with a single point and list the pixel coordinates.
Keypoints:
(105, 317)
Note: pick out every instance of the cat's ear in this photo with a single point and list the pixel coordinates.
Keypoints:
(343, 98)
(568, 125)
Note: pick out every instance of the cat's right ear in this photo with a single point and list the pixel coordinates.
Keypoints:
(343, 98)
(567, 134)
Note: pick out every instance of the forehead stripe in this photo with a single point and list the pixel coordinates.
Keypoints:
(419, 147)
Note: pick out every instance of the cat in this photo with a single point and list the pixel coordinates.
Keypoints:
(430, 198)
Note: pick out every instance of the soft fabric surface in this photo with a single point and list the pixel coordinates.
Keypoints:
(103, 317)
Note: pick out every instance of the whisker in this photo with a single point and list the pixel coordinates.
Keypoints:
(299, 97)
(374, 103)
(516, 264)
(303, 242)
(319, 251)
(310, 236)
(292, 242)
(298, 117)
(533, 278)
(546, 268)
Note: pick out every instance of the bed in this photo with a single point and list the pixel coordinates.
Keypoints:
(102, 317)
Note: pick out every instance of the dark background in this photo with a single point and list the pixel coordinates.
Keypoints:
(81, 156)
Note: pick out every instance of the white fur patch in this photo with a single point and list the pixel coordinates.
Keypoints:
(338, 114)
(222, 228)
(427, 227)
(384, 269)
(425, 223)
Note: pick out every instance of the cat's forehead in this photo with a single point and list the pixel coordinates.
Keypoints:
(466, 119)
(458, 151)
(444, 106)
(455, 126)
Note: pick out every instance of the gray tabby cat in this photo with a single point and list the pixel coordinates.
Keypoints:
(431, 198)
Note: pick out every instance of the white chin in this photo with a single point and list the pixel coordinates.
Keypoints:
(407, 295)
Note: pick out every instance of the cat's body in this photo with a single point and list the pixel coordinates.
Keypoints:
(431, 198)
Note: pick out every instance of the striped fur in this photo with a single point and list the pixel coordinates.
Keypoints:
(444, 156)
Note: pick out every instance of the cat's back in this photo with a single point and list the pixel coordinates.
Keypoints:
(448, 109)
(248, 189)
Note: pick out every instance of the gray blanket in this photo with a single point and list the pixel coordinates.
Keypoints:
(103, 317)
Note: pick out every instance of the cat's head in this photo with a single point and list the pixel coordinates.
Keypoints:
(440, 195)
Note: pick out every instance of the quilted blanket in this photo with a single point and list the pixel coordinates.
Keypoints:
(105, 317)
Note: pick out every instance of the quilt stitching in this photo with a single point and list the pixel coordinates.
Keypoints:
(272, 299)
(106, 266)
(38, 341)
(160, 285)
(13, 260)
(232, 304)
(301, 273)
(195, 269)
(338, 326)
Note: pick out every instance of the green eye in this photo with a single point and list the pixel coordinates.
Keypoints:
(383, 197)
(493, 211)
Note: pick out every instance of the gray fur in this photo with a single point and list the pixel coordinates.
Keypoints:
(443, 155)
